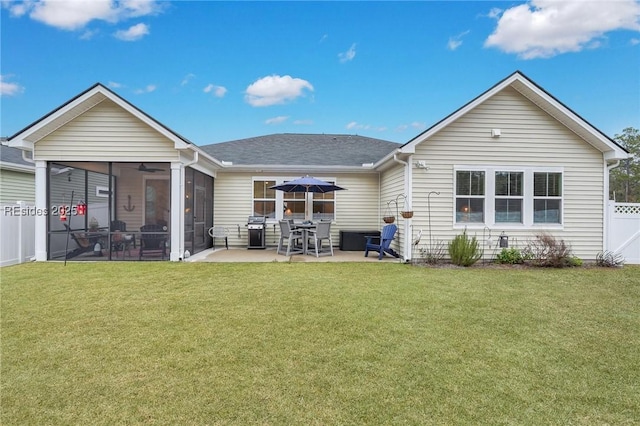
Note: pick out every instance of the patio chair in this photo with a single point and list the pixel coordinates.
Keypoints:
(385, 238)
(120, 241)
(153, 239)
(293, 238)
(219, 232)
(320, 234)
(82, 241)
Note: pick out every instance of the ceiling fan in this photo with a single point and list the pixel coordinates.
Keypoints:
(143, 168)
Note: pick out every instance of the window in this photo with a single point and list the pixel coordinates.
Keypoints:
(470, 196)
(298, 206)
(517, 196)
(324, 205)
(264, 199)
(547, 197)
(508, 200)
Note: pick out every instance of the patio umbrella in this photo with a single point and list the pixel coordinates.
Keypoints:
(307, 184)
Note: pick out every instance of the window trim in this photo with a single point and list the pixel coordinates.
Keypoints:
(490, 197)
(280, 195)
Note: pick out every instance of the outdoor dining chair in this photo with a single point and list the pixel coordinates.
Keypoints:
(293, 238)
(320, 234)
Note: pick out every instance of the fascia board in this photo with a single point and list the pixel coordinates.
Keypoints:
(17, 167)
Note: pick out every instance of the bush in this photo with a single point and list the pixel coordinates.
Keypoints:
(510, 256)
(464, 251)
(433, 255)
(547, 251)
(609, 259)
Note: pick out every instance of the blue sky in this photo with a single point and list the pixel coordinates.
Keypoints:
(217, 71)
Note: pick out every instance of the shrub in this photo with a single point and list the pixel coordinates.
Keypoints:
(547, 251)
(433, 255)
(510, 256)
(609, 259)
(464, 251)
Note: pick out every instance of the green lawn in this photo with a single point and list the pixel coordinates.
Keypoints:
(318, 343)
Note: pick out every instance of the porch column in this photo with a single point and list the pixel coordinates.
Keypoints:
(40, 226)
(177, 211)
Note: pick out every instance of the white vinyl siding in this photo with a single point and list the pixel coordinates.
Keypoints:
(529, 138)
(356, 208)
(392, 187)
(106, 132)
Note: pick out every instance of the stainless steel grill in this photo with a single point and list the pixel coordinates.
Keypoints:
(256, 226)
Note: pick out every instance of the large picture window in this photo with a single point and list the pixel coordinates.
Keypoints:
(525, 197)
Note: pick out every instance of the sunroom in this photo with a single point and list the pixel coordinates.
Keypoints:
(112, 183)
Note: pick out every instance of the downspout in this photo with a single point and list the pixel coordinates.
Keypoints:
(607, 218)
(407, 192)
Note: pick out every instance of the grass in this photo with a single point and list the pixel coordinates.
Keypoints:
(318, 343)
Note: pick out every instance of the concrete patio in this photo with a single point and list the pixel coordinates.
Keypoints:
(270, 255)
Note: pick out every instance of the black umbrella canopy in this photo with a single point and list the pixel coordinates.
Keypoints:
(307, 184)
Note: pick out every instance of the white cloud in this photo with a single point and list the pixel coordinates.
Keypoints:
(323, 38)
(354, 125)
(348, 55)
(277, 120)
(148, 89)
(275, 89)
(134, 33)
(114, 85)
(76, 14)
(456, 41)
(9, 89)
(634, 41)
(546, 28)
(218, 91)
(416, 125)
(187, 79)
(303, 122)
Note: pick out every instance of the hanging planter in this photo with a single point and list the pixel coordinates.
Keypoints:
(407, 214)
(388, 216)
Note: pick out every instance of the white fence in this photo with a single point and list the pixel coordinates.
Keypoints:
(17, 224)
(624, 230)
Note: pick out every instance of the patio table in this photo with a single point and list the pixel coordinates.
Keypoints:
(306, 227)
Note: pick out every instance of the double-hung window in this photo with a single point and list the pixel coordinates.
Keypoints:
(547, 197)
(264, 199)
(508, 197)
(470, 196)
(511, 196)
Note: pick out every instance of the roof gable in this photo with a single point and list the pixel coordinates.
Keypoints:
(88, 99)
(543, 100)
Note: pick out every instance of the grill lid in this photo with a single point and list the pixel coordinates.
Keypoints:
(256, 220)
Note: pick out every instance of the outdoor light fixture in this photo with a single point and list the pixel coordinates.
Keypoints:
(503, 241)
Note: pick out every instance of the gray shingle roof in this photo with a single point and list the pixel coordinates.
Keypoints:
(302, 149)
(12, 155)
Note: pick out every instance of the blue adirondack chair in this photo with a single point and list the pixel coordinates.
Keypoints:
(384, 242)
